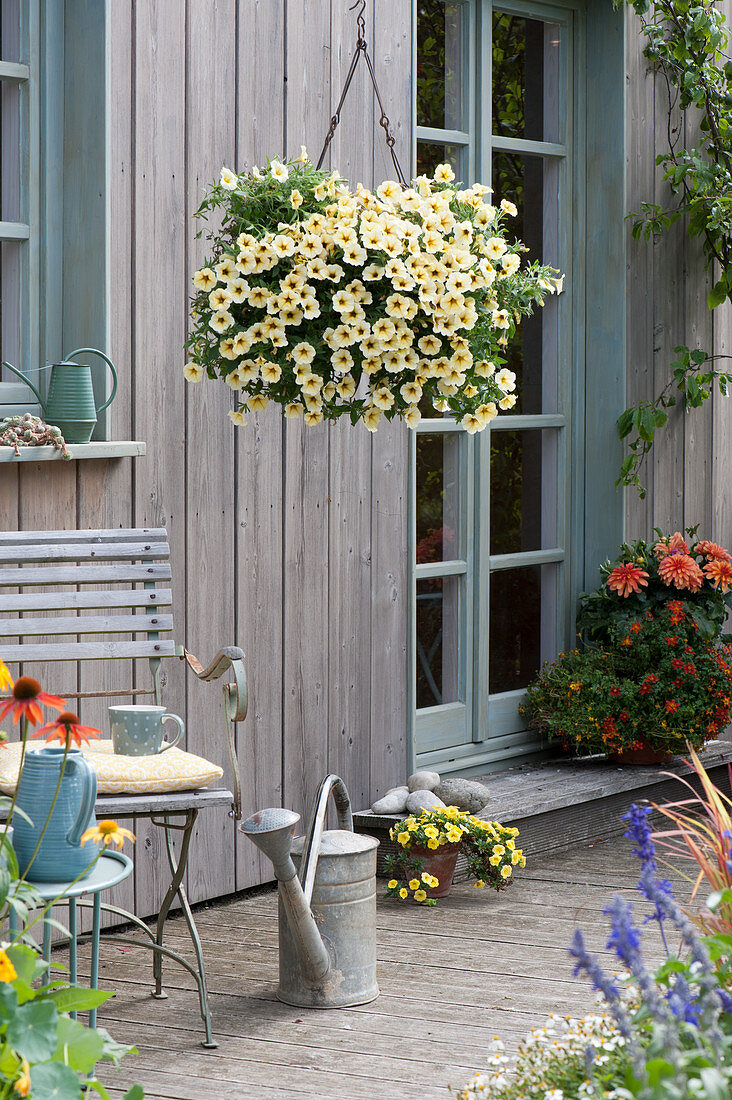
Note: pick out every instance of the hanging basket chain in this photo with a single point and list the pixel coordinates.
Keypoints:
(362, 49)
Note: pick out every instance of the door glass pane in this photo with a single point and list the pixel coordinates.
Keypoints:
(10, 258)
(430, 154)
(525, 78)
(522, 624)
(439, 619)
(9, 152)
(532, 183)
(523, 491)
(10, 31)
(438, 497)
(440, 71)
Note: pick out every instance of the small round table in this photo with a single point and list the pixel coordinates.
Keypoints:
(110, 868)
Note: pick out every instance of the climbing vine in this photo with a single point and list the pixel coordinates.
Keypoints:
(686, 43)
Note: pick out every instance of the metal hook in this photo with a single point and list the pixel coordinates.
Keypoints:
(363, 8)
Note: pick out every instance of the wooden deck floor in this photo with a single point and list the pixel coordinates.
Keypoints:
(451, 978)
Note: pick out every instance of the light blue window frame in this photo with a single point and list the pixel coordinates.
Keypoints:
(63, 177)
(589, 512)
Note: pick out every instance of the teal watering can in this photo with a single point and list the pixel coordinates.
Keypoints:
(70, 401)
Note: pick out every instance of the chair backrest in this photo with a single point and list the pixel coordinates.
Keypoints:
(123, 575)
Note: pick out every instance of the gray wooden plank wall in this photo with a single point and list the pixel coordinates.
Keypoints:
(287, 541)
(687, 474)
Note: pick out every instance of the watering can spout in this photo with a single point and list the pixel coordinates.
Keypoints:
(272, 831)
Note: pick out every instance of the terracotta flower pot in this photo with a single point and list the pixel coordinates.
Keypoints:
(646, 756)
(439, 862)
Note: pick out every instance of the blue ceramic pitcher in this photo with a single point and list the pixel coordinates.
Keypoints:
(61, 856)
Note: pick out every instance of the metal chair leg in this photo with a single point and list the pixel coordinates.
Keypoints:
(177, 868)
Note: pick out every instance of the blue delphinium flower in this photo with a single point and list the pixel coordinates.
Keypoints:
(601, 983)
(708, 1000)
(640, 831)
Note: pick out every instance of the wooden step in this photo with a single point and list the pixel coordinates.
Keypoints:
(559, 804)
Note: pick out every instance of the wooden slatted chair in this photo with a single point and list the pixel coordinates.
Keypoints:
(86, 596)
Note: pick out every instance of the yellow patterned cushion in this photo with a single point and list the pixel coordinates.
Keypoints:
(172, 770)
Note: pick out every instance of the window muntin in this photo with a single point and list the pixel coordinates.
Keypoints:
(516, 133)
(19, 27)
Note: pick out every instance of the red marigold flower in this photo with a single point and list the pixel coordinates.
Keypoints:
(711, 550)
(680, 570)
(719, 572)
(675, 544)
(671, 706)
(68, 728)
(627, 579)
(25, 700)
(614, 691)
(672, 640)
(636, 627)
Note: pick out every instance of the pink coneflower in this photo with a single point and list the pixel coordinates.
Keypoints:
(711, 551)
(627, 579)
(674, 544)
(680, 570)
(719, 573)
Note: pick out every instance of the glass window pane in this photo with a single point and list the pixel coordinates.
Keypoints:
(523, 491)
(439, 622)
(532, 183)
(522, 624)
(10, 260)
(10, 31)
(525, 78)
(438, 497)
(430, 154)
(9, 152)
(440, 69)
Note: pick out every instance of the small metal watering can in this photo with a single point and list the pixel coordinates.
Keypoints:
(327, 915)
(70, 401)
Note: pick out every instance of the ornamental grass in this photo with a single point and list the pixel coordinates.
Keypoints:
(332, 302)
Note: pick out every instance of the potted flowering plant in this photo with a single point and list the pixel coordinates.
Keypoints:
(655, 672)
(334, 302)
(430, 843)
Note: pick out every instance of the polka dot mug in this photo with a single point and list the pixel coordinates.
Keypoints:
(138, 730)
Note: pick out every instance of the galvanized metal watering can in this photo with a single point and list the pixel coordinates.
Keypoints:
(327, 915)
(70, 401)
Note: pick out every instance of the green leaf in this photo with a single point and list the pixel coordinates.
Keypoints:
(54, 1081)
(8, 1001)
(647, 425)
(135, 1093)
(80, 1047)
(76, 998)
(114, 1051)
(25, 960)
(717, 294)
(625, 423)
(32, 1030)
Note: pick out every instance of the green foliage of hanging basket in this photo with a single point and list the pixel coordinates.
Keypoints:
(335, 302)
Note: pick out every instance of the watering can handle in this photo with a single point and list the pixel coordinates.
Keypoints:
(110, 364)
(24, 378)
(332, 784)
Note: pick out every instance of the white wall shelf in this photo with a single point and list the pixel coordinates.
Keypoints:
(103, 449)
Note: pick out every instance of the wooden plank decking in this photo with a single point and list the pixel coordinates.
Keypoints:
(451, 978)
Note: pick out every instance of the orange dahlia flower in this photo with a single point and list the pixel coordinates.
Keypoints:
(680, 570)
(711, 551)
(25, 699)
(627, 579)
(719, 573)
(67, 728)
(674, 544)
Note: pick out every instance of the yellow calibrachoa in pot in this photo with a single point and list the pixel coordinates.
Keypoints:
(335, 302)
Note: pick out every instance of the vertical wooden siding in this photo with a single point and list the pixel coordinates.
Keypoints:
(287, 541)
(687, 475)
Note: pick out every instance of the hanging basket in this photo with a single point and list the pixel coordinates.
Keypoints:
(333, 301)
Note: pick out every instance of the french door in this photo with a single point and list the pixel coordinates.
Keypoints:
(494, 97)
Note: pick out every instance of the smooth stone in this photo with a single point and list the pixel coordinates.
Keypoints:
(424, 800)
(393, 802)
(467, 794)
(423, 781)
